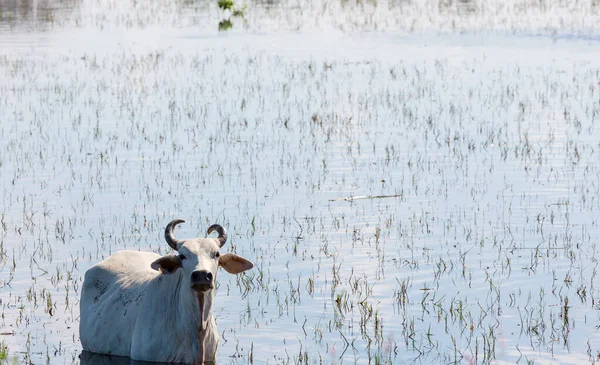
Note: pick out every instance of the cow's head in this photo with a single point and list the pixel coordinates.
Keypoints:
(199, 258)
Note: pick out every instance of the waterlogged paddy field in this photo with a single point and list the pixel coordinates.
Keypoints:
(406, 198)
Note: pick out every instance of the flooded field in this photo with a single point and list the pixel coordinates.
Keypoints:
(415, 183)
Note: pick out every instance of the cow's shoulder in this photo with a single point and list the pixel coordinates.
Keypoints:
(123, 267)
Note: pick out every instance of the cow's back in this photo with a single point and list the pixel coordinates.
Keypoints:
(111, 294)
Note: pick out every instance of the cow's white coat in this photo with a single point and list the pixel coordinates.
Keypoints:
(142, 305)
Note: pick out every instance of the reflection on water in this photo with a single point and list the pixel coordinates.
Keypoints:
(90, 358)
(225, 25)
(35, 13)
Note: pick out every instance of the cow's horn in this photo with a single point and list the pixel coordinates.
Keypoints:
(170, 237)
(221, 231)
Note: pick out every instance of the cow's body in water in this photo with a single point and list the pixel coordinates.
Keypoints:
(153, 308)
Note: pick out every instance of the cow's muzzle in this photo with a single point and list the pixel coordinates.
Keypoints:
(202, 280)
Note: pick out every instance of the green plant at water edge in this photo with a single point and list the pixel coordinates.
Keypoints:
(3, 352)
(240, 12)
(226, 4)
(226, 23)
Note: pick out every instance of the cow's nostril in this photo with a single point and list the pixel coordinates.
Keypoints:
(209, 276)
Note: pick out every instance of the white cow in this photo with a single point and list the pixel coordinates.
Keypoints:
(153, 308)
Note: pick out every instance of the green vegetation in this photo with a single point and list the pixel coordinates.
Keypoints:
(4, 355)
(3, 352)
(226, 4)
(234, 12)
(225, 24)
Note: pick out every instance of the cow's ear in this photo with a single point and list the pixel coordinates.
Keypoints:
(234, 264)
(167, 264)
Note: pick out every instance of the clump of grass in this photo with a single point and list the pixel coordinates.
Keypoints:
(3, 352)
(235, 12)
(226, 4)
(225, 25)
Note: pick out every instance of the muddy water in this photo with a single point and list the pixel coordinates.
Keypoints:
(468, 163)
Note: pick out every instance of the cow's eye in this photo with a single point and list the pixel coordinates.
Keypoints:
(182, 257)
(217, 255)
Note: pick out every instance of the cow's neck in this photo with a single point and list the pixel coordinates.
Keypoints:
(198, 317)
(198, 305)
(205, 309)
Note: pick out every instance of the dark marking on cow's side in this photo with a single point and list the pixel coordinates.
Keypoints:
(100, 287)
(160, 279)
(123, 300)
(118, 299)
(125, 313)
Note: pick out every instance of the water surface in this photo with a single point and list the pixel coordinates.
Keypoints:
(117, 118)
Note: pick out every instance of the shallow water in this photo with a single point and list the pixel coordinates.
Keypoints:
(487, 139)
